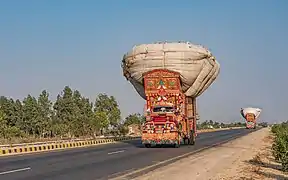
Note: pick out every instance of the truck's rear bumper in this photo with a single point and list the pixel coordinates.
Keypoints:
(250, 124)
(163, 138)
(250, 127)
(159, 142)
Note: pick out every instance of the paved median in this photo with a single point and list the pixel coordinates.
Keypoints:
(60, 145)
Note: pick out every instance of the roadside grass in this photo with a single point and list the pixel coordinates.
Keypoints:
(280, 144)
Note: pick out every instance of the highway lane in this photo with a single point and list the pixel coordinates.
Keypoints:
(103, 161)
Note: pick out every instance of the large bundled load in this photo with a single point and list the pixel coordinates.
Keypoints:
(250, 110)
(196, 64)
(250, 114)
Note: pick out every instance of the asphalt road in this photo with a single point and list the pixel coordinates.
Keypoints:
(104, 161)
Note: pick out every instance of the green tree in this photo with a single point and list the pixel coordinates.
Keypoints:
(88, 116)
(95, 125)
(83, 114)
(72, 115)
(222, 125)
(211, 122)
(8, 107)
(64, 113)
(216, 124)
(31, 116)
(135, 118)
(3, 124)
(58, 126)
(77, 122)
(19, 115)
(45, 113)
(6, 131)
(101, 120)
(109, 105)
(123, 130)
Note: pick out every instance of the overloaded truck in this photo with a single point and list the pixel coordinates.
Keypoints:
(170, 76)
(250, 115)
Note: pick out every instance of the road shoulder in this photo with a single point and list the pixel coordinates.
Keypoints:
(227, 161)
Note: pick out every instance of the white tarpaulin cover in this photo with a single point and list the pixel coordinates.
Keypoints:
(196, 64)
(255, 111)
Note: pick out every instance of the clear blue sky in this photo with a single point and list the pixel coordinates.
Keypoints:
(80, 43)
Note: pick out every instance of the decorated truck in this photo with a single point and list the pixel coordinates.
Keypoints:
(170, 117)
(169, 76)
(250, 115)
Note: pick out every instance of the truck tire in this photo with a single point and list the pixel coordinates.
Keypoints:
(192, 141)
(186, 141)
(177, 145)
(147, 145)
(192, 138)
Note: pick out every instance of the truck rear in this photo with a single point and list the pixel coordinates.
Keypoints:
(250, 121)
(250, 115)
(170, 115)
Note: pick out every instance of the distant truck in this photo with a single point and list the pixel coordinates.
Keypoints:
(169, 77)
(170, 115)
(251, 115)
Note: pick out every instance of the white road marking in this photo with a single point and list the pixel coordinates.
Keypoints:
(116, 152)
(172, 159)
(15, 170)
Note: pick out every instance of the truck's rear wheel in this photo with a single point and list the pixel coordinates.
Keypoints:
(192, 141)
(177, 144)
(186, 141)
(147, 145)
(192, 138)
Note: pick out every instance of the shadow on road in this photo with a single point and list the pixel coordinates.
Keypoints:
(137, 143)
(200, 137)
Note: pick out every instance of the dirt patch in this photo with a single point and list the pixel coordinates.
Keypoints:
(246, 158)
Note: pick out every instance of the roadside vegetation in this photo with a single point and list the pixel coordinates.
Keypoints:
(280, 145)
(215, 125)
(72, 115)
